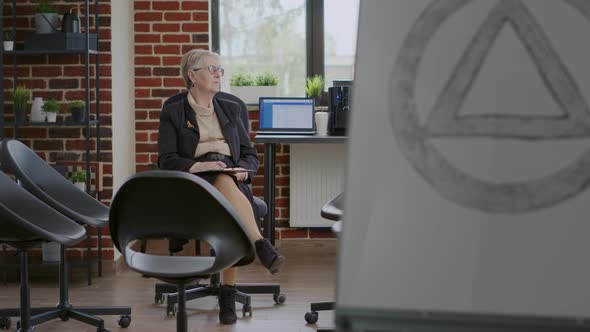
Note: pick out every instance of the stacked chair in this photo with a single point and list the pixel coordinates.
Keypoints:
(138, 214)
(56, 192)
(26, 222)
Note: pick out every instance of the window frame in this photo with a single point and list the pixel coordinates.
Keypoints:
(314, 34)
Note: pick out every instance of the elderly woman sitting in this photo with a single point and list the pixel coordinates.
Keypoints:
(202, 133)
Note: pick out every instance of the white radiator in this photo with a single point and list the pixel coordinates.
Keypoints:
(317, 175)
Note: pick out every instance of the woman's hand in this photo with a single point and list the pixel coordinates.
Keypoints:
(240, 176)
(207, 166)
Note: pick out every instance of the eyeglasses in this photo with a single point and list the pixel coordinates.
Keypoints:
(212, 69)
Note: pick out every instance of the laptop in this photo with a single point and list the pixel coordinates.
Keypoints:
(286, 116)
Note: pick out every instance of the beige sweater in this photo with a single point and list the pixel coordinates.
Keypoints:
(211, 139)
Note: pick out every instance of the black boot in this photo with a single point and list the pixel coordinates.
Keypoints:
(269, 256)
(227, 304)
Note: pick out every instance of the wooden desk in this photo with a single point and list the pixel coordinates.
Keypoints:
(270, 142)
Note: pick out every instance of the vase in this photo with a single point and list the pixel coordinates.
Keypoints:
(36, 114)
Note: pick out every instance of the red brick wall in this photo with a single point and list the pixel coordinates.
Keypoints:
(62, 77)
(164, 31)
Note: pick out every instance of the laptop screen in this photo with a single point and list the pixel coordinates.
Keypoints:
(286, 114)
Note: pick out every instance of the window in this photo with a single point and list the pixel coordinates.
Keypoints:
(340, 29)
(290, 38)
(257, 36)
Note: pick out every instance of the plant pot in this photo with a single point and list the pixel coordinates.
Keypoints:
(8, 45)
(36, 114)
(77, 115)
(80, 185)
(51, 116)
(46, 23)
(251, 94)
(19, 115)
(50, 252)
(321, 123)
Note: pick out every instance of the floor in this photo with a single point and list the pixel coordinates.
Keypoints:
(308, 276)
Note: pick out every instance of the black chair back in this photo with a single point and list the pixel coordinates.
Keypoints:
(24, 218)
(334, 208)
(173, 204)
(40, 179)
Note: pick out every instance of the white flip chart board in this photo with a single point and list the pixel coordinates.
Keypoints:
(469, 159)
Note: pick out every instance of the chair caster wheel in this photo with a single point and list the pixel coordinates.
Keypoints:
(279, 298)
(18, 325)
(247, 310)
(5, 323)
(64, 318)
(171, 309)
(124, 321)
(311, 317)
(102, 330)
(159, 298)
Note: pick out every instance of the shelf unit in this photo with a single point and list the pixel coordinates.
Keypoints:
(95, 123)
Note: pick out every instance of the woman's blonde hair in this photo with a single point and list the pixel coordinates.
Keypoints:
(191, 60)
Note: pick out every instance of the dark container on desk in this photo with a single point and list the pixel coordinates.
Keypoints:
(68, 41)
(339, 109)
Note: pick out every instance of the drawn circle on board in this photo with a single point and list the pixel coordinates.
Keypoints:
(449, 181)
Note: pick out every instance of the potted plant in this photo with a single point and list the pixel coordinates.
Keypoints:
(8, 40)
(267, 79)
(45, 18)
(79, 179)
(314, 86)
(77, 109)
(250, 88)
(51, 107)
(20, 98)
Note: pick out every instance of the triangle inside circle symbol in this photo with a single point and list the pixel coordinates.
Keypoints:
(574, 120)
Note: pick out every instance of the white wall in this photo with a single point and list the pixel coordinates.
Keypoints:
(123, 116)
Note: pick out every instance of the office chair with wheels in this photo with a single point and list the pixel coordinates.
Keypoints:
(332, 211)
(243, 290)
(138, 212)
(26, 222)
(44, 182)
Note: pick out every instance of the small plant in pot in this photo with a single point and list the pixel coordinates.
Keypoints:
(51, 108)
(314, 87)
(79, 179)
(267, 79)
(77, 109)
(45, 18)
(250, 88)
(20, 99)
(8, 41)
(241, 80)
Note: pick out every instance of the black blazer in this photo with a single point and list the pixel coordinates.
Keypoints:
(179, 135)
